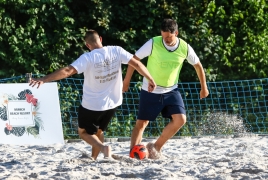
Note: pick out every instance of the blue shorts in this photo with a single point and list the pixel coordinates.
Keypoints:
(167, 103)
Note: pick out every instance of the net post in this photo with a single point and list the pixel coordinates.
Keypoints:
(28, 77)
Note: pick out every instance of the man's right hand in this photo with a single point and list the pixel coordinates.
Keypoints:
(37, 82)
(151, 85)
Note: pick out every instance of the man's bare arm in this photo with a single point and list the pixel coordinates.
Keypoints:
(143, 71)
(57, 75)
(202, 78)
(129, 73)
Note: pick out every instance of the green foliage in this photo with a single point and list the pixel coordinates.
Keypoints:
(35, 36)
(230, 38)
(120, 126)
(42, 36)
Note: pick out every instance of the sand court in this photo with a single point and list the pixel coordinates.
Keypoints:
(183, 158)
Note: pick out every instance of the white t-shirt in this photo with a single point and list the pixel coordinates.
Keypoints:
(146, 50)
(102, 89)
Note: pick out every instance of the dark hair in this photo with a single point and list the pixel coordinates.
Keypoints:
(91, 36)
(169, 25)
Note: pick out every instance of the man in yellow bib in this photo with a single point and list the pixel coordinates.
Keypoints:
(166, 54)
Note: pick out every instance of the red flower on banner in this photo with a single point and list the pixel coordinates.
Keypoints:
(31, 99)
(9, 127)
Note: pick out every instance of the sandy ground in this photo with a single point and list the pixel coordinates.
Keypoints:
(215, 158)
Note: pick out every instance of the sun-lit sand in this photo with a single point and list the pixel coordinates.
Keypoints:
(183, 158)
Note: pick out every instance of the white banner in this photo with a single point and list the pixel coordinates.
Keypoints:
(29, 115)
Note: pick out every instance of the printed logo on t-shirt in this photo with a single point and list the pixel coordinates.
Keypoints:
(106, 66)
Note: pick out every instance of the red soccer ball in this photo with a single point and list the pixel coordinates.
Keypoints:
(138, 152)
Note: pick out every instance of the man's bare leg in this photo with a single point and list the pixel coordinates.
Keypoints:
(137, 132)
(95, 149)
(95, 142)
(177, 121)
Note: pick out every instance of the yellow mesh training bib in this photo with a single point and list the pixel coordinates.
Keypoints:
(165, 65)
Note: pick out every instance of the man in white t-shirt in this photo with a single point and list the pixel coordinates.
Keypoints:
(102, 88)
(166, 54)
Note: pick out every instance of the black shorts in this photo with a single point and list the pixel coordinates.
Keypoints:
(91, 121)
(152, 104)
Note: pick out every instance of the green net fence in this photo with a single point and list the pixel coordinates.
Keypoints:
(232, 107)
